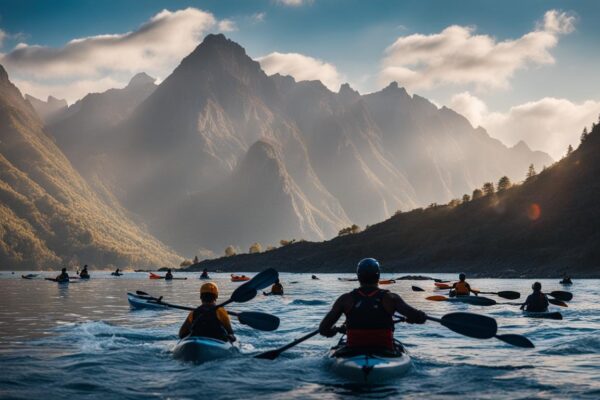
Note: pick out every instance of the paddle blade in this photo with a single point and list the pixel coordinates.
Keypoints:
(417, 289)
(560, 295)
(436, 298)
(258, 320)
(477, 300)
(508, 294)
(469, 324)
(247, 291)
(557, 303)
(516, 340)
(268, 355)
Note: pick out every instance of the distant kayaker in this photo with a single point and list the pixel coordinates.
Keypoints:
(168, 275)
(566, 280)
(204, 274)
(117, 272)
(63, 277)
(277, 288)
(84, 274)
(536, 301)
(208, 320)
(314, 277)
(369, 311)
(461, 288)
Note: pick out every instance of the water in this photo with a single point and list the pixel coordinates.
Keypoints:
(82, 339)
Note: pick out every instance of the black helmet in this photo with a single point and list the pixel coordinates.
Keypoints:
(462, 276)
(64, 270)
(536, 287)
(368, 270)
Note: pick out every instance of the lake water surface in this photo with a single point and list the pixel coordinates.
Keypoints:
(82, 340)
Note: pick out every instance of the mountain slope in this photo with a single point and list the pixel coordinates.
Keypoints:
(48, 214)
(48, 110)
(544, 227)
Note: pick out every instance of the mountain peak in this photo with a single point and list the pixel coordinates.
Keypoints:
(214, 44)
(3, 74)
(141, 79)
(521, 146)
(394, 89)
(346, 90)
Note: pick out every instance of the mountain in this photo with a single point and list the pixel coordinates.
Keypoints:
(48, 213)
(48, 110)
(542, 228)
(333, 159)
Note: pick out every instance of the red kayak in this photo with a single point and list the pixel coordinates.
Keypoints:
(154, 276)
(239, 278)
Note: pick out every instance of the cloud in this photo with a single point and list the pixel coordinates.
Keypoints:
(2, 37)
(66, 90)
(457, 55)
(258, 17)
(548, 124)
(227, 25)
(302, 68)
(293, 3)
(155, 47)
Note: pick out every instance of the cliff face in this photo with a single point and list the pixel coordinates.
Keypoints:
(48, 213)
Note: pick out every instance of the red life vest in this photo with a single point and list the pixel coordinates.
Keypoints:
(368, 323)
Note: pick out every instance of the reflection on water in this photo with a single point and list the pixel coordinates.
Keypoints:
(82, 339)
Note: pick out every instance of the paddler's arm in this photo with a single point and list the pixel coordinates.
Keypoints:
(471, 290)
(413, 316)
(185, 329)
(224, 319)
(326, 326)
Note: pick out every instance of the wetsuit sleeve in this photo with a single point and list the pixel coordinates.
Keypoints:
(326, 326)
(223, 317)
(413, 316)
(185, 329)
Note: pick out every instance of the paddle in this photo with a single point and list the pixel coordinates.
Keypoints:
(417, 289)
(551, 301)
(256, 320)
(516, 340)
(249, 289)
(507, 294)
(475, 300)
(560, 295)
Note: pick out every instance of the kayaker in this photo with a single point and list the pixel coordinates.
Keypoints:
(314, 277)
(277, 288)
(208, 320)
(536, 301)
(566, 280)
(168, 275)
(117, 272)
(204, 274)
(63, 277)
(369, 311)
(461, 288)
(84, 274)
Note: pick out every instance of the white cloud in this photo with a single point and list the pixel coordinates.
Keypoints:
(258, 17)
(302, 68)
(293, 3)
(459, 56)
(155, 47)
(66, 90)
(548, 124)
(227, 25)
(2, 37)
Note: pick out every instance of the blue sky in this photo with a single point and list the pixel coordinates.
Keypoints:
(347, 41)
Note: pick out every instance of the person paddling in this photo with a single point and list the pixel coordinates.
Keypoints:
(63, 277)
(566, 280)
(204, 274)
(461, 288)
(369, 311)
(277, 288)
(117, 272)
(84, 274)
(314, 277)
(208, 320)
(168, 275)
(536, 301)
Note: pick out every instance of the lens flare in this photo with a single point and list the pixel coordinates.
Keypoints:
(534, 212)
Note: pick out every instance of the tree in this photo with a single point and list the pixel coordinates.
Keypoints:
(454, 203)
(354, 228)
(255, 248)
(466, 198)
(185, 263)
(584, 134)
(530, 173)
(488, 188)
(196, 261)
(569, 150)
(270, 248)
(284, 242)
(504, 183)
(477, 194)
(230, 251)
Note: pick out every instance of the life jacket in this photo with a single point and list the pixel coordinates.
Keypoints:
(368, 323)
(537, 302)
(277, 288)
(461, 288)
(206, 323)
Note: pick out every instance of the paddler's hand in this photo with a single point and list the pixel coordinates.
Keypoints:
(331, 332)
(231, 338)
(417, 318)
(341, 329)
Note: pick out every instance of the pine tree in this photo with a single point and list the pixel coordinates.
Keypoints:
(504, 183)
(488, 188)
(584, 134)
(531, 172)
(477, 194)
(466, 198)
(569, 150)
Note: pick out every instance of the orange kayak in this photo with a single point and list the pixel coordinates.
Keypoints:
(442, 285)
(387, 282)
(154, 276)
(239, 278)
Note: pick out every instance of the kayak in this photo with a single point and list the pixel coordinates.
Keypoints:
(369, 365)
(382, 282)
(84, 277)
(348, 279)
(272, 294)
(115, 274)
(154, 276)
(474, 300)
(137, 301)
(61, 281)
(543, 314)
(441, 285)
(238, 278)
(565, 283)
(387, 282)
(200, 349)
(204, 277)
(29, 276)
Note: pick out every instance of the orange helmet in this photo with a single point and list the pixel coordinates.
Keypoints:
(209, 287)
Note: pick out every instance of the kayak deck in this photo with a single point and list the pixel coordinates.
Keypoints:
(200, 349)
(543, 314)
(137, 301)
(370, 366)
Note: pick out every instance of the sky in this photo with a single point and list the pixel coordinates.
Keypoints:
(524, 70)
